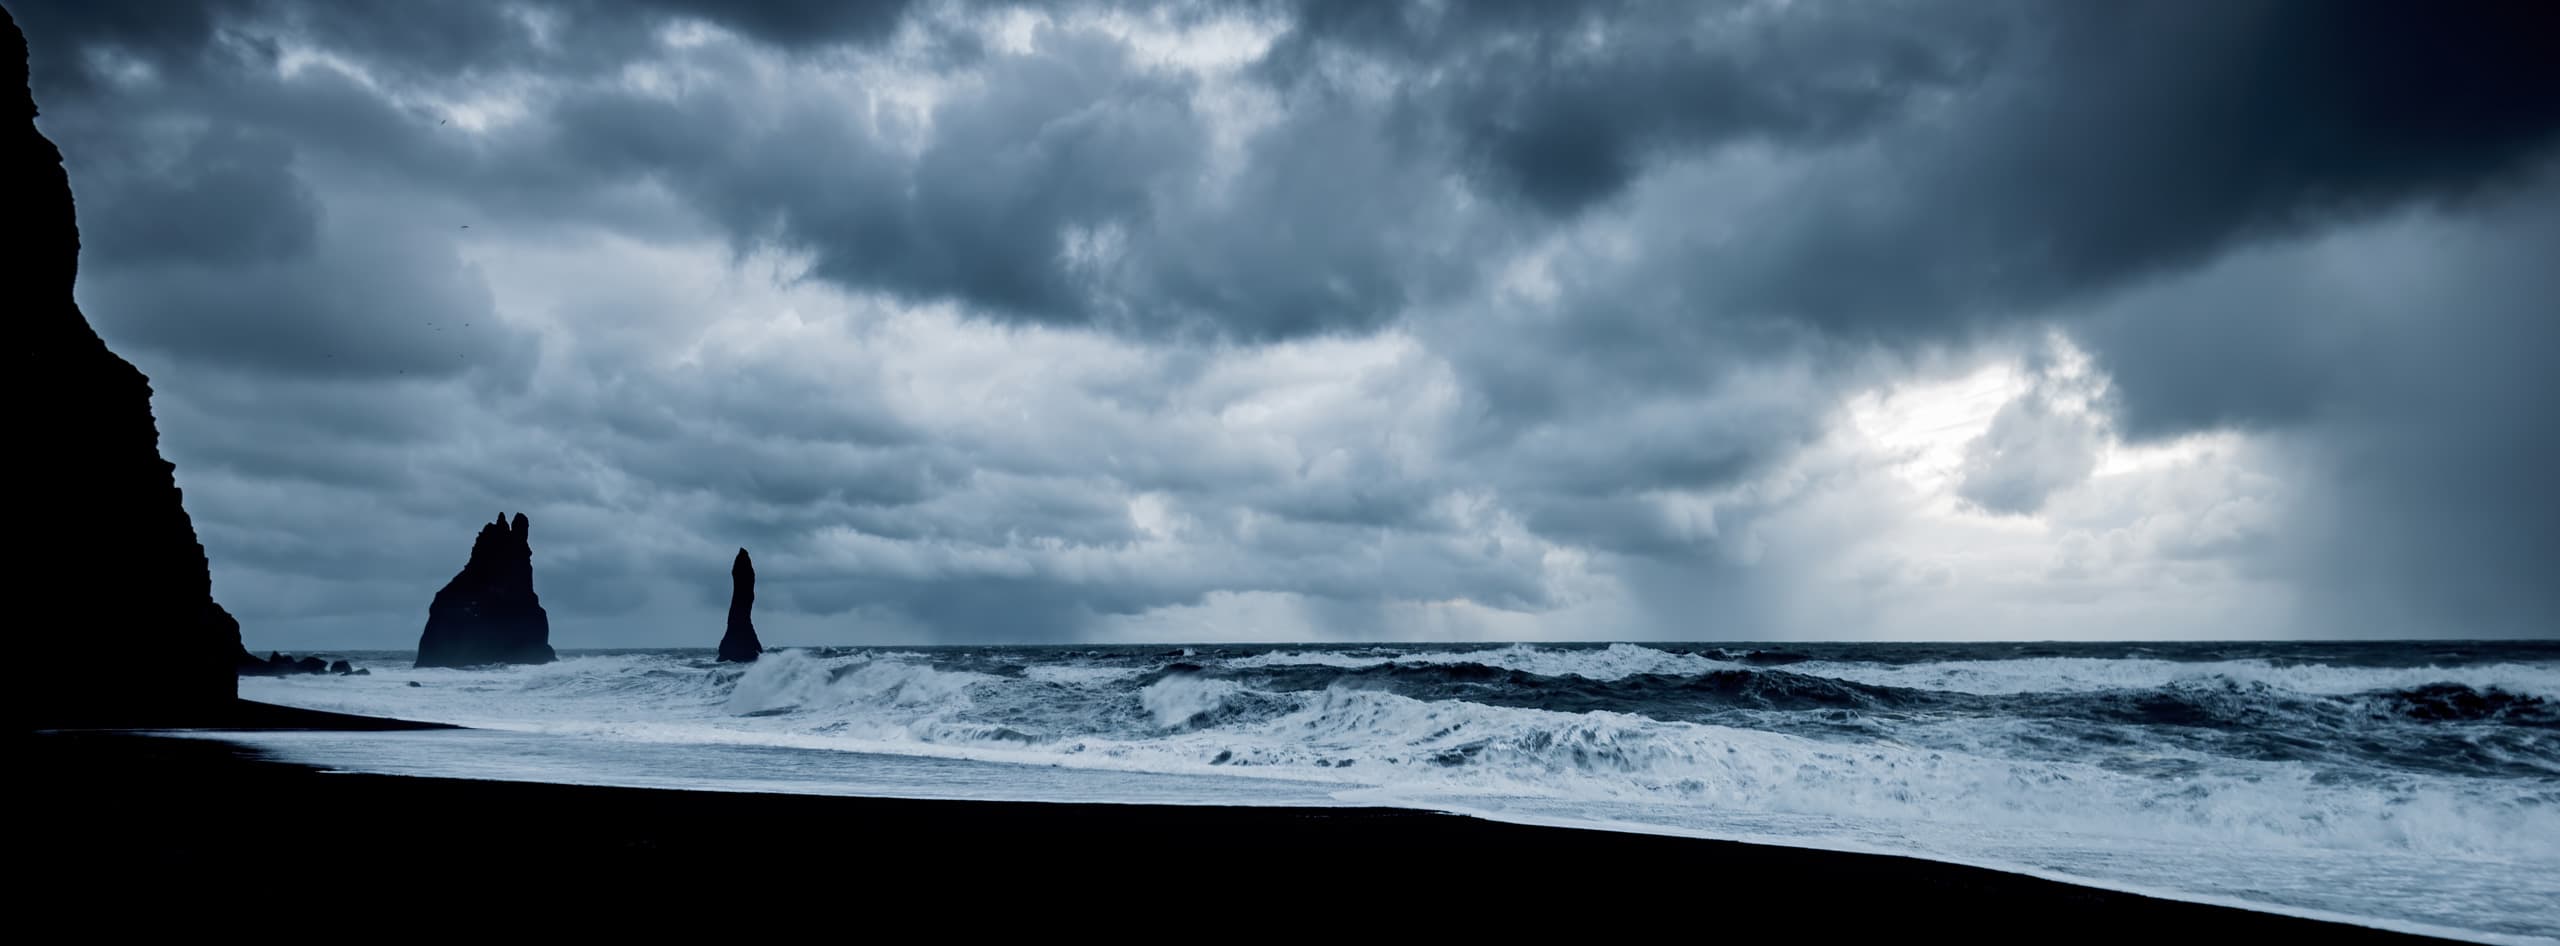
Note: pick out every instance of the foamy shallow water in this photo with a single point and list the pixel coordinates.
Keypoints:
(525, 757)
(2371, 793)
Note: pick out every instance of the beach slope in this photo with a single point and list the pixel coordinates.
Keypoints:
(129, 812)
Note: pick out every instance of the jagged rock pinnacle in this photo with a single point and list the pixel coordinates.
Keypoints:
(488, 614)
(740, 645)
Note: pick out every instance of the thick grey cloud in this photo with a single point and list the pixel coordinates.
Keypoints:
(2030, 451)
(2044, 441)
(2089, 159)
(224, 253)
(794, 24)
(2408, 366)
(422, 38)
(1561, 105)
(370, 304)
(225, 197)
(984, 212)
(984, 322)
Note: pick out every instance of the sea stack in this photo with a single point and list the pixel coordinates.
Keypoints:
(740, 645)
(488, 614)
(110, 538)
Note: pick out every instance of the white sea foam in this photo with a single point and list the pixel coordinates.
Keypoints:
(1080, 675)
(1614, 662)
(888, 704)
(791, 679)
(1981, 677)
(2420, 846)
(1471, 749)
(2085, 675)
(1181, 698)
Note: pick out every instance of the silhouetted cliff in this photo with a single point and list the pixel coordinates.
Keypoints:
(740, 643)
(488, 614)
(110, 546)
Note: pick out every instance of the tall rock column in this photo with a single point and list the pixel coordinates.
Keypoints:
(488, 614)
(114, 550)
(740, 644)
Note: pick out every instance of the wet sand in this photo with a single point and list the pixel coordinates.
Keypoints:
(124, 817)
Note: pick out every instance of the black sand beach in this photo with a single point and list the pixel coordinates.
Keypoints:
(129, 814)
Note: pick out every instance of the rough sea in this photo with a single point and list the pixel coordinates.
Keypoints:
(2414, 786)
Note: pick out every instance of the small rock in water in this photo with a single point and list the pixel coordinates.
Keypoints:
(342, 667)
(277, 665)
(413, 683)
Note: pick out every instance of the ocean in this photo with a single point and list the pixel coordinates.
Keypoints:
(2413, 786)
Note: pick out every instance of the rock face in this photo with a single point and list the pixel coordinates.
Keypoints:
(740, 644)
(488, 614)
(118, 548)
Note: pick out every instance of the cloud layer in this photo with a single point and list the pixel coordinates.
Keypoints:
(1261, 320)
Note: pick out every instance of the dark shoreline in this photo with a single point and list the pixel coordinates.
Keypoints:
(244, 714)
(127, 813)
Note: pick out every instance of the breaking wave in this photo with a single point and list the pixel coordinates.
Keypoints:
(2072, 760)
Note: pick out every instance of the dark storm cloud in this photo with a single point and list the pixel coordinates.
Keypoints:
(1722, 212)
(223, 196)
(1328, 229)
(795, 23)
(63, 35)
(2070, 153)
(1073, 149)
(2053, 153)
(365, 303)
(1563, 104)
(427, 38)
(2132, 140)
(786, 473)
(1067, 191)
(2408, 371)
(1071, 138)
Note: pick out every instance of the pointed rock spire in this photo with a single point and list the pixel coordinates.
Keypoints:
(740, 645)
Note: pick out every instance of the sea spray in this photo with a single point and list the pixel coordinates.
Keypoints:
(1180, 698)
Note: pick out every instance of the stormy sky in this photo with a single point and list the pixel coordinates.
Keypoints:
(1244, 320)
